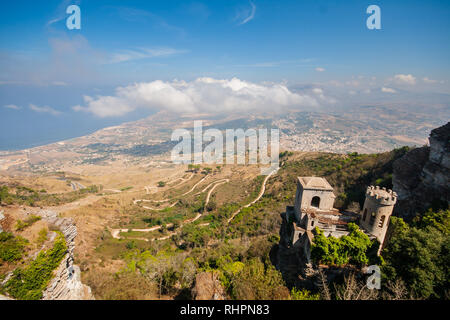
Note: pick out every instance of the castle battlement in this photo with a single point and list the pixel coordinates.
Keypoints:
(381, 195)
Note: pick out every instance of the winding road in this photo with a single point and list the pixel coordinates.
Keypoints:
(116, 232)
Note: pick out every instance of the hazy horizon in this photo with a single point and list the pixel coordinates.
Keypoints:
(129, 61)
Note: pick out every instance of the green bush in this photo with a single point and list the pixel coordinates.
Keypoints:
(353, 248)
(303, 295)
(30, 282)
(21, 225)
(255, 281)
(11, 248)
(28, 196)
(420, 254)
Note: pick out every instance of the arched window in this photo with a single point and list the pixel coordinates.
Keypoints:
(315, 202)
(372, 219)
(381, 223)
(365, 214)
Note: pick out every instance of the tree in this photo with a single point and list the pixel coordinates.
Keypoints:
(207, 170)
(161, 184)
(211, 206)
(257, 281)
(420, 256)
(3, 194)
(303, 295)
(189, 270)
(354, 248)
(158, 268)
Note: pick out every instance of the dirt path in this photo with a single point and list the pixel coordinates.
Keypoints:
(166, 200)
(116, 232)
(209, 185)
(261, 193)
(161, 209)
(74, 205)
(183, 180)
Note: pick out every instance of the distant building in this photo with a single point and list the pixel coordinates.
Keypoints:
(314, 201)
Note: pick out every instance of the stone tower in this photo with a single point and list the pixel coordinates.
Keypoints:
(312, 193)
(377, 210)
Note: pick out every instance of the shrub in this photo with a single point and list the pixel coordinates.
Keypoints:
(353, 248)
(303, 295)
(255, 281)
(30, 282)
(419, 255)
(11, 248)
(42, 236)
(21, 225)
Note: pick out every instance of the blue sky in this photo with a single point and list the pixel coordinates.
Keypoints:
(47, 70)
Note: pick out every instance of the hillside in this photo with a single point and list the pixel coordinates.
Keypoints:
(164, 233)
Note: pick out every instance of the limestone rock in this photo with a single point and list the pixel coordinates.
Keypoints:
(208, 287)
(66, 284)
(2, 216)
(422, 176)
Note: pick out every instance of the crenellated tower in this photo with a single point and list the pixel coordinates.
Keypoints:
(377, 210)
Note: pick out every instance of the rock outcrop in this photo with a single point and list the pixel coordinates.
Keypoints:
(66, 284)
(421, 178)
(2, 216)
(208, 287)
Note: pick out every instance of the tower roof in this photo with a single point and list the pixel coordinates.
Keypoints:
(316, 183)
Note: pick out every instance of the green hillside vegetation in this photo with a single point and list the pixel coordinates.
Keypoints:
(11, 248)
(22, 224)
(242, 252)
(356, 248)
(28, 283)
(420, 254)
(30, 197)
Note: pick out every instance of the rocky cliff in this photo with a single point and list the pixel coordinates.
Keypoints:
(421, 178)
(66, 284)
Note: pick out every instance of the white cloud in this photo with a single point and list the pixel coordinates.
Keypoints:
(249, 14)
(318, 91)
(59, 83)
(270, 64)
(319, 69)
(201, 95)
(427, 80)
(352, 83)
(143, 53)
(388, 90)
(405, 79)
(12, 106)
(320, 94)
(13, 82)
(45, 109)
